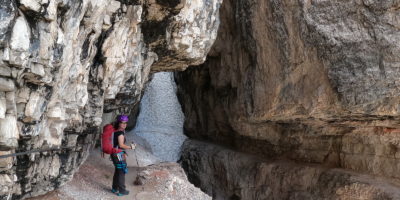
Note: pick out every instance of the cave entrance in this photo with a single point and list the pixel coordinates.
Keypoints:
(159, 126)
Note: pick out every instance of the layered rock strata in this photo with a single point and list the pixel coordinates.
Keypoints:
(63, 63)
(245, 176)
(310, 81)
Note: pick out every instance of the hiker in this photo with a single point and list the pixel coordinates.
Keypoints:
(118, 154)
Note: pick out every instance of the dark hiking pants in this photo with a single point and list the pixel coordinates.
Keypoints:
(120, 171)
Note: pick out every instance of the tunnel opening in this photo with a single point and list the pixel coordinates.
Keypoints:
(160, 119)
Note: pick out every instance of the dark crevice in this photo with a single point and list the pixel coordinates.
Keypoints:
(85, 46)
(131, 2)
(169, 3)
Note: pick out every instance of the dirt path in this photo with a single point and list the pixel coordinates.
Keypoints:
(164, 181)
(93, 181)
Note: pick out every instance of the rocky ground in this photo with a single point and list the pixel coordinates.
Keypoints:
(165, 181)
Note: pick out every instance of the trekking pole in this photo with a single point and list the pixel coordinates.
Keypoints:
(134, 150)
(137, 163)
(137, 180)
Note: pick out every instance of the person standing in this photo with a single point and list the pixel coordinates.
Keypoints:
(119, 158)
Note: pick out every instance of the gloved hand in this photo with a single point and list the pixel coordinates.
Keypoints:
(133, 146)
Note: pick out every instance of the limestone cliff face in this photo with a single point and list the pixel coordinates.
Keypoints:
(63, 63)
(310, 81)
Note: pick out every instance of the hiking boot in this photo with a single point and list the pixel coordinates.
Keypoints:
(126, 192)
(114, 191)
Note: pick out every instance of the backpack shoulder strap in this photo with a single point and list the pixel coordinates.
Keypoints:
(108, 127)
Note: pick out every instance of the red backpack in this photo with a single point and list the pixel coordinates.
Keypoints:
(107, 140)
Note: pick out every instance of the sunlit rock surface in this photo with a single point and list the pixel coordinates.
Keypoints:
(180, 32)
(63, 63)
(309, 81)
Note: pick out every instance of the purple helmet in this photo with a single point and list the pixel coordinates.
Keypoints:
(123, 118)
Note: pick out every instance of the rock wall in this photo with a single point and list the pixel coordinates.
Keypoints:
(244, 176)
(63, 63)
(307, 81)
